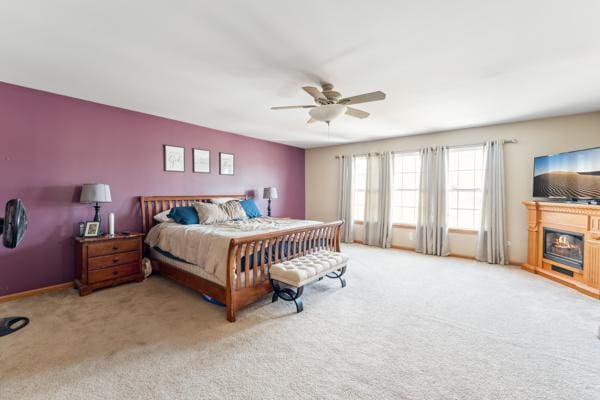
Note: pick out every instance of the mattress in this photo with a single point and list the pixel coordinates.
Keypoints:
(204, 247)
(185, 266)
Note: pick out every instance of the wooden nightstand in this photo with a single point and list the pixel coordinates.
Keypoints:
(108, 261)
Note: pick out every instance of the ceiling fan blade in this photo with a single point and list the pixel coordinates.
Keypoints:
(314, 92)
(355, 112)
(363, 98)
(311, 120)
(288, 107)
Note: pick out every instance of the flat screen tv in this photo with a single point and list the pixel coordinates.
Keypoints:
(572, 176)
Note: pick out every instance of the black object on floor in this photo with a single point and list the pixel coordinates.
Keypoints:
(12, 324)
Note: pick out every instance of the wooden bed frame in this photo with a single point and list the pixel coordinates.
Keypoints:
(237, 294)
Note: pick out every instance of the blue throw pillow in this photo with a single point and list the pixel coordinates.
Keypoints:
(184, 215)
(251, 210)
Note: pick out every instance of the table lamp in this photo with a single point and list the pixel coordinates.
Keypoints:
(95, 193)
(270, 193)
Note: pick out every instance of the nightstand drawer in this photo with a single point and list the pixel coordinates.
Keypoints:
(106, 274)
(112, 247)
(113, 260)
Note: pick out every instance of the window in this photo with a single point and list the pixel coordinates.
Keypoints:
(465, 181)
(405, 189)
(360, 187)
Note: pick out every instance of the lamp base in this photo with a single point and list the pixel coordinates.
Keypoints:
(98, 219)
(269, 208)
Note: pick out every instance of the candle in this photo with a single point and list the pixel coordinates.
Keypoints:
(111, 224)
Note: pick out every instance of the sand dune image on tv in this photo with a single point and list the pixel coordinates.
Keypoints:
(571, 185)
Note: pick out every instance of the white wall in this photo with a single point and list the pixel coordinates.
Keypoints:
(535, 138)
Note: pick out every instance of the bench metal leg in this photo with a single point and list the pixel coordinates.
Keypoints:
(287, 294)
(299, 304)
(338, 274)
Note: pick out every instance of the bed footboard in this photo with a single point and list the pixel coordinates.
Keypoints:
(250, 258)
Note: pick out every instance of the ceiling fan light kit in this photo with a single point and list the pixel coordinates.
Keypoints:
(331, 104)
(328, 112)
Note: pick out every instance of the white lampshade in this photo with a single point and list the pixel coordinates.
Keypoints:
(328, 112)
(95, 193)
(270, 193)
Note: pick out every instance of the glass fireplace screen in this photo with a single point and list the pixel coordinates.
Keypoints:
(564, 247)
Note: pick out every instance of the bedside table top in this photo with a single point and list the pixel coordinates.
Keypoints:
(117, 236)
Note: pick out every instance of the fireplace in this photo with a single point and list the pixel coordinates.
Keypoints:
(558, 254)
(564, 247)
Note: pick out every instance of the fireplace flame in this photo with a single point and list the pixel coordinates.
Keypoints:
(564, 243)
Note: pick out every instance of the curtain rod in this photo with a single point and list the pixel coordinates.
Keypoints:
(505, 141)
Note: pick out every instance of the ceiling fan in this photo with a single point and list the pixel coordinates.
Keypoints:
(331, 104)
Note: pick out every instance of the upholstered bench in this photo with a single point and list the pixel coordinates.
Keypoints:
(300, 271)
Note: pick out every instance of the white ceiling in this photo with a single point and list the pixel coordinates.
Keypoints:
(223, 64)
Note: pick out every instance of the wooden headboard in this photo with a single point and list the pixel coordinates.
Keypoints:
(152, 205)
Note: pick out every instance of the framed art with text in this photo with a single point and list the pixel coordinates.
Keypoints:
(201, 161)
(226, 164)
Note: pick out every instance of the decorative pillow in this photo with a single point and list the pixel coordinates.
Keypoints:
(221, 200)
(184, 215)
(250, 208)
(163, 216)
(209, 213)
(234, 210)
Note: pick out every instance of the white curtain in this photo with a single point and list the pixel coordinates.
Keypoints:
(432, 230)
(346, 198)
(491, 243)
(378, 223)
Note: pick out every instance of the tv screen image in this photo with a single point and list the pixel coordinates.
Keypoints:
(573, 175)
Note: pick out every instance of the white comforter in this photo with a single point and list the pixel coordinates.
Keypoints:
(207, 245)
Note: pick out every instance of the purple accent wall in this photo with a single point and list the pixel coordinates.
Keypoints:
(51, 144)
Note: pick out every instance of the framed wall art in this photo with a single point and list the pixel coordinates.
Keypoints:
(201, 161)
(226, 164)
(174, 158)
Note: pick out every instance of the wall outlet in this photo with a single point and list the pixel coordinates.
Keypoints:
(411, 236)
(508, 243)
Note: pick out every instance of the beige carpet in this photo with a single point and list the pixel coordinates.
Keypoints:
(406, 327)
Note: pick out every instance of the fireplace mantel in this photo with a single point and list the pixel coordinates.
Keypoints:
(581, 219)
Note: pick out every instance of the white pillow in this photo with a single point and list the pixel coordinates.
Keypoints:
(209, 213)
(234, 210)
(221, 200)
(162, 216)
